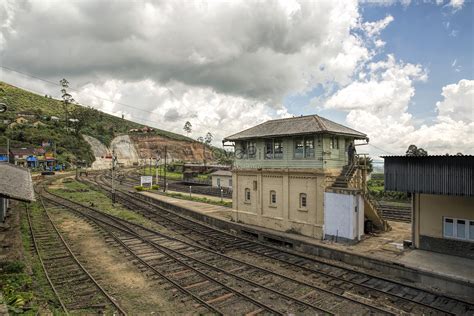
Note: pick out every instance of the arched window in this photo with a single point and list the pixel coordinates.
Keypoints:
(303, 201)
(273, 197)
(247, 195)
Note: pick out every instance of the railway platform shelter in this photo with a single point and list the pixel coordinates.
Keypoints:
(15, 184)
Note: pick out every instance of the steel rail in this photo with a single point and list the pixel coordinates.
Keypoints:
(101, 289)
(312, 286)
(33, 237)
(135, 197)
(94, 219)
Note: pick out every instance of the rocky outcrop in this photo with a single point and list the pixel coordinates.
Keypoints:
(125, 150)
(154, 146)
(101, 152)
(136, 149)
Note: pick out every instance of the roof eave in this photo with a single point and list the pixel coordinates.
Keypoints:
(232, 139)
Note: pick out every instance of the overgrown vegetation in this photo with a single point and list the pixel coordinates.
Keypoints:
(70, 146)
(377, 190)
(24, 286)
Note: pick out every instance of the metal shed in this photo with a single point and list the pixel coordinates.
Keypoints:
(444, 175)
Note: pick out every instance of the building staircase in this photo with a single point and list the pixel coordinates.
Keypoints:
(345, 180)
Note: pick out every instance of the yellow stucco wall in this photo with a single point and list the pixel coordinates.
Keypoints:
(430, 210)
(286, 214)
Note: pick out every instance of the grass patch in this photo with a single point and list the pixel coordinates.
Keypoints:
(74, 191)
(171, 175)
(25, 289)
(199, 199)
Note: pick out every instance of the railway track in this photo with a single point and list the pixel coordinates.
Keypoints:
(390, 294)
(217, 282)
(131, 178)
(396, 213)
(75, 288)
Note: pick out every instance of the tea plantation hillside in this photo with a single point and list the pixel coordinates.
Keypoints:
(46, 122)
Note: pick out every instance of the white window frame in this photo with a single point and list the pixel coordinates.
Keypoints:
(467, 223)
(247, 197)
(305, 154)
(218, 182)
(305, 196)
(273, 197)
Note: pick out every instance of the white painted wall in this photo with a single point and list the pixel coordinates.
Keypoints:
(224, 181)
(340, 216)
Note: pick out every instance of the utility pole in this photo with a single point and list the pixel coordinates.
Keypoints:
(8, 150)
(113, 175)
(151, 173)
(166, 154)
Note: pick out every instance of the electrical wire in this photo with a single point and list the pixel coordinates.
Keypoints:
(111, 101)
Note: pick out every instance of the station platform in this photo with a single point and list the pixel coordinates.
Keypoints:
(383, 253)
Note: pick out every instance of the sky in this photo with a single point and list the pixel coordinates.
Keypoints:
(399, 71)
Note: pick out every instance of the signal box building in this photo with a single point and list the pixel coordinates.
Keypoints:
(291, 175)
(442, 189)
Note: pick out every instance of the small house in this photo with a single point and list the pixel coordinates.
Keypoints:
(24, 157)
(222, 179)
(3, 154)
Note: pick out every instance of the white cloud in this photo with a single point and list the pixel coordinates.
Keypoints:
(379, 106)
(256, 50)
(388, 88)
(458, 103)
(456, 4)
(169, 107)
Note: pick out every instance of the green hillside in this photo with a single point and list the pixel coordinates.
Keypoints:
(70, 146)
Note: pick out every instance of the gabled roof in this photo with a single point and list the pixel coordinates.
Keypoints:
(22, 151)
(309, 124)
(16, 183)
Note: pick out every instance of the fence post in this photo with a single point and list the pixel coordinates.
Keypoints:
(222, 193)
(190, 190)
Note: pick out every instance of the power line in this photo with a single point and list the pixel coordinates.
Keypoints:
(112, 101)
(382, 149)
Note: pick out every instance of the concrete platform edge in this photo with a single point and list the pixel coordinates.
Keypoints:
(430, 280)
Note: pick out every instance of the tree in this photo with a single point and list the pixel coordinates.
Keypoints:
(200, 139)
(67, 99)
(414, 151)
(82, 117)
(367, 161)
(208, 138)
(188, 127)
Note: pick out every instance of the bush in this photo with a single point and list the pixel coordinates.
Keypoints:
(139, 188)
(155, 187)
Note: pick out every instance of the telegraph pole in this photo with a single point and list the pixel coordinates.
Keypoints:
(113, 175)
(164, 186)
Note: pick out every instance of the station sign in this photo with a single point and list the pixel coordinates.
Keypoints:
(146, 180)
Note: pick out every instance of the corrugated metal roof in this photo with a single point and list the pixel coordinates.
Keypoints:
(446, 175)
(309, 124)
(16, 183)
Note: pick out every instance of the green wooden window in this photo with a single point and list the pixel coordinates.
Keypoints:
(274, 149)
(304, 147)
(334, 142)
